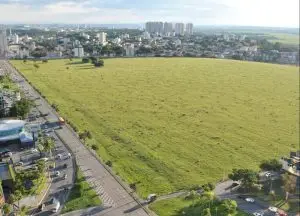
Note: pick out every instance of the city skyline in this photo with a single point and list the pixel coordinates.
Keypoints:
(276, 13)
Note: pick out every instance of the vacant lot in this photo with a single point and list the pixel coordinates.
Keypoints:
(169, 123)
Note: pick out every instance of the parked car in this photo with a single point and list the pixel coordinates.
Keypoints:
(59, 156)
(20, 163)
(41, 207)
(65, 176)
(44, 159)
(273, 209)
(151, 198)
(57, 173)
(268, 174)
(257, 214)
(69, 155)
(65, 166)
(249, 199)
(34, 150)
(7, 154)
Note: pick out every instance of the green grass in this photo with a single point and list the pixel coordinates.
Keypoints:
(169, 123)
(179, 206)
(289, 39)
(82, 195)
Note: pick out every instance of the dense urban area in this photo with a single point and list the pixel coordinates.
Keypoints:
(157, 39)
(50, 165)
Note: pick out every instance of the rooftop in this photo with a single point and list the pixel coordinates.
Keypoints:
(10, 124)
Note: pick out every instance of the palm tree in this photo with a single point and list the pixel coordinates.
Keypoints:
(48, 145)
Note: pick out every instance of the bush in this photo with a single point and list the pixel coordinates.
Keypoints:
(109, 163)
(45, 60)
(85, 60)
(133, 186)
(272, 164)
(55, 107)
(95, 147)
(24, 60)
(208, 187)
(100, 63)
(67, 68)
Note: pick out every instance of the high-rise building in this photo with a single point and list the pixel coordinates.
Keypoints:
(78, 51)
(179, 28)
(168, 27)
(3, 42)
(155, 27)
(189, 28)
(102, 37)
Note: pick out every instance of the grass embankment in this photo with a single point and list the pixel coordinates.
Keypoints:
(169, 123)
(82, 195)
(180, 206)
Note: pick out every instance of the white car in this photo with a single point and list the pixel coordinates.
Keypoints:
(69, 155)
(34, 150)
(57, 173)
(257, 214)
(273, 209)
(44, 159)
(20, 163)
(251, 200)
(268, 174)
(59, 156)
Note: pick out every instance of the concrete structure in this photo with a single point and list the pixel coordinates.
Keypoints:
(11, 129)
(189, 28)
(155, 27)
(78, 51)
(129, 49)
(102, 37)
(168, 28)
(179, 28)
(3, 43)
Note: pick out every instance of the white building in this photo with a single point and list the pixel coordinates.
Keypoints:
(155, 27)
(168, 28)
(189, 28)
(117, 40)
(15, 38)
(179, 28)
(146, 35)
(78, 51)
(3, 43)
(86, 36)
(177, 42)
(102, 37)
(129, 49)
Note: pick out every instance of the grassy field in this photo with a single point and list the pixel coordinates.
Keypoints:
(82, 195)
(169, 123)
(289, 39)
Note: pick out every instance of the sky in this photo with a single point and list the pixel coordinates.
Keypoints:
(272, 13)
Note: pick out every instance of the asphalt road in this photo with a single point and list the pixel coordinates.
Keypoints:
(115, 198)
(223, 191)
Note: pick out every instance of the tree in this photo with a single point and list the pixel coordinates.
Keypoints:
(36, 66)
(99, 63)
(247, 177)
(7, 209)
(289, 184)
(47, 143)
(38, 53)
(206, 212)
(272, 164)
(95, 147)
(208, 187)
(21, 108)
(85, 60)
(228, 206)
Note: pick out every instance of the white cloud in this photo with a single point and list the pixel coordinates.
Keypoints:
(211, 12)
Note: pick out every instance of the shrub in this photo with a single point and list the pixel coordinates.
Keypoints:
(109, 163)
(67, 68)
(100, 63)
(95, 147)
(85, 60)
(133, 186)
(55, 107)
(45, 60)
(272, 164)
(208, 187)
(24, 60)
